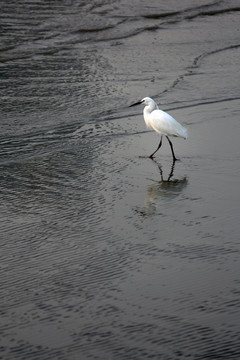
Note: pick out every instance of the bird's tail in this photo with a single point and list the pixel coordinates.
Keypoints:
(182, 132)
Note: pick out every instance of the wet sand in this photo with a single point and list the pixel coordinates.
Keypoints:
(106, 254)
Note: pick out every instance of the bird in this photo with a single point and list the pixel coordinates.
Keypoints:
(161, 122)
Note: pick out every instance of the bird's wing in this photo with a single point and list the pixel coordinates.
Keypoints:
(165, 124)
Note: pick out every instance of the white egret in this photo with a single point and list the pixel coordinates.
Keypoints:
(161, 122)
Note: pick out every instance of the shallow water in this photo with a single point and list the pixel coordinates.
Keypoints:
(106, 254)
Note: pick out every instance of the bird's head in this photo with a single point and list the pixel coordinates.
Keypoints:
(145, 101)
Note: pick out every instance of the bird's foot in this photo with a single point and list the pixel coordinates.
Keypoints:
(147, 157)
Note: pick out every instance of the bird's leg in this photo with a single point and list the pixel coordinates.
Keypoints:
(171, 146)
(160, 144)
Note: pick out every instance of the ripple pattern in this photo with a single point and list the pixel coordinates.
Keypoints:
(106, 254)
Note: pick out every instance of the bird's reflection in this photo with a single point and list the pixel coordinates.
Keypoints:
(162, 190)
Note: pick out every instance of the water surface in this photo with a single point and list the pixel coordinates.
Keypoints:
(106, 254)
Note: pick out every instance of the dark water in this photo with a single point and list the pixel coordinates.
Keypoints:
(104, 254)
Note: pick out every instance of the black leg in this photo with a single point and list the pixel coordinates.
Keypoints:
(171, 146)
(160, 144)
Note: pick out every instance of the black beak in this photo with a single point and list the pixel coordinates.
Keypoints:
(137, 103)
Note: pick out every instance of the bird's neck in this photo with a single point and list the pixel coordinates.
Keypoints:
(148, 109)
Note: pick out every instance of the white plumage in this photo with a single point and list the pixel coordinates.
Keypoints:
(161, 122)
